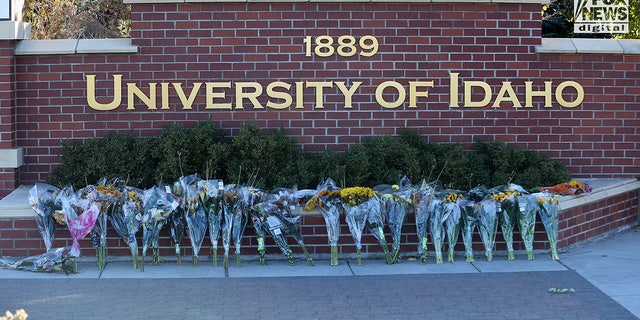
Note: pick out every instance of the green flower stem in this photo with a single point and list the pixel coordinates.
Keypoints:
(359, 255)
(238, 260)
(334, 255)
(214, 256)
(142, 266)
(395, 256)
(469, 255)
(554, 250)
(194, 261)
(306, 254)
(510, 255)
(530, 255)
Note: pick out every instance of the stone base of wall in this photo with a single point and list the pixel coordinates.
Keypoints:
(611, 207)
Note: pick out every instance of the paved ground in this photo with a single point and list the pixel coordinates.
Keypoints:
(605, 276)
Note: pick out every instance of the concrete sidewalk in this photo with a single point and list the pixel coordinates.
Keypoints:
(604, 274)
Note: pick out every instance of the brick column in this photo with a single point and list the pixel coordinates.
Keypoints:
(10, 153)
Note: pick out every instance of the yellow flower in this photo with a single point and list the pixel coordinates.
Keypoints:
(453, 197)
(355, 195)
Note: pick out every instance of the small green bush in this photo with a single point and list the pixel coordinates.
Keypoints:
(269, 159)
(382, 159)
(182, 151)
(115, 155)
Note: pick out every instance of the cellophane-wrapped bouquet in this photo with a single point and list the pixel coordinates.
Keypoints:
(158, 205)
(527, 208)
(397, 202)
(249, 196)
(231, 206)
(177, 221)
(357, 202)
(488, 225)
(58, 259)
(469, 218)
(109, 194)
(421, 199)
(42, 198)
(286, 201)
(212, 191)
(327, 199)
(126, 219)
(195, 214)
(451, 215)
(80, 214)
(507, 210)
(548, 211)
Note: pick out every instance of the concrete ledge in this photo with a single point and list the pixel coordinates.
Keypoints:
(570, 45)
(602, 189)
(16, 204)
(10, 158)
(74, 46)
(14, 30)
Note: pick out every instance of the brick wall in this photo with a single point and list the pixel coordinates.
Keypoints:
(263, 43)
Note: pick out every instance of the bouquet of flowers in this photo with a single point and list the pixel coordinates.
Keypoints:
(548, 210)
(108, 193)
(53, 260)
(176, 221)
(527, 207)
(469, 218)
(249, 197)
(327, 199)
(276, 229)
(194, 213)
(178, 226)
(436, 221)
(451, 215)
(507, 210)
(257, 221)
(211, 195)
(126, 219)
(396, 204)
(80, 215)
(488, 225)
(569, 188)
(285, 201)
(231, 206)
(42, 198)
(357, 202)
(421, 199)
(158, 204)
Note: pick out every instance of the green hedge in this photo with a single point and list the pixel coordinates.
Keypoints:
(269, 159)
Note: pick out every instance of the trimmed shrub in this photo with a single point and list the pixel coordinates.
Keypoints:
(115, 155)
(271, 160)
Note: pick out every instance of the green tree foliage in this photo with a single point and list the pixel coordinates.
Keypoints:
(77, 19)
